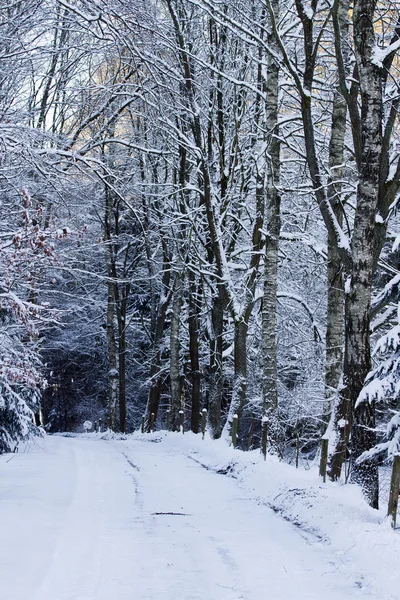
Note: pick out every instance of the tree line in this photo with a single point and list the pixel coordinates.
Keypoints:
(200, 210)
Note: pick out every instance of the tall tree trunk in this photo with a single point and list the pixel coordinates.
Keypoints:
(175, 373)
(194, 325)
(272, 228)
(121, 315)
(357, 359)
(111, 306)
(240, 364)
(153, 400)
(112, 358)
(122, 382)
(334, 340)
(239, 390)
(215, 385)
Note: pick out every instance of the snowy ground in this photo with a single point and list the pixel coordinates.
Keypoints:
(150, 518)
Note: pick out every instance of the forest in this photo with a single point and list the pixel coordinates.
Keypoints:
(199, 221)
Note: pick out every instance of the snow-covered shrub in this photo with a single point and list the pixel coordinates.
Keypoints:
(25, 251)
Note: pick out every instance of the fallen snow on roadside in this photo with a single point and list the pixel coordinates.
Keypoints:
(361, 542)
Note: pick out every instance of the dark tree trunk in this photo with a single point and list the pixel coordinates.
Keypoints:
(240, 375)
(175, 374)
(121, 315)
(112, 358)
(335, 310)
(153, 400)
(111, 305)
(194, 353)
(215, 384)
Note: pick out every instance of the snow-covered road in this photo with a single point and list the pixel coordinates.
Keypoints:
(86, 519)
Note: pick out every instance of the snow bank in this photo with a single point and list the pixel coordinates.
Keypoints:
(359, 538)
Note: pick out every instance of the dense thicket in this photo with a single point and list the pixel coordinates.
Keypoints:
(198, 211)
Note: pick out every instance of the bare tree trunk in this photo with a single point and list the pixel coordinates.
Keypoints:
(194, 352)
(334, 341)
(335, 310)
(175, 374)
(239, 391)
(357, 359)
(240, 363)
(121, 316)
(215, 384)
(111, 305)
(334, 330)
(112, 358)
(153, 400)
(272, 228)
(122, 383)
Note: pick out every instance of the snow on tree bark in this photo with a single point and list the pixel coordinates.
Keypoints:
(357, 359)
(272, 228)
(357, 362)
(335, 308)
(175, 372)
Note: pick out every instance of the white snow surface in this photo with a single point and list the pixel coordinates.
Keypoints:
(166, 516)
